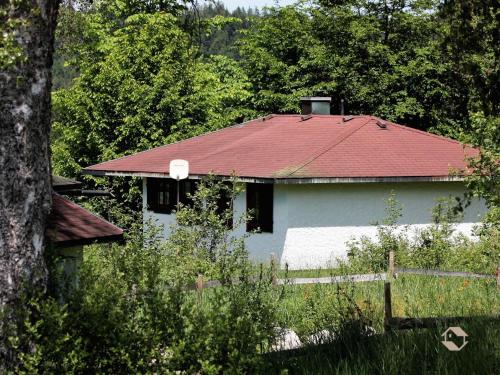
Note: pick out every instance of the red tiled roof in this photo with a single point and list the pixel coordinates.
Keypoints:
(292, 146)
(71, 224)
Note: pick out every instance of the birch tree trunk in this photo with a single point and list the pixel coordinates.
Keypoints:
(26, 44)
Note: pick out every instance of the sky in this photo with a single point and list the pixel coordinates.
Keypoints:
(233, 4)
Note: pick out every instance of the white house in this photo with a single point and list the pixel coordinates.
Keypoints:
(314, 180)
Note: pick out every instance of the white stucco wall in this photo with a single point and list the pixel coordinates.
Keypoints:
(313, 222)
(70, 260)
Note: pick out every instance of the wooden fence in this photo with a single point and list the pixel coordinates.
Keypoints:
(202, 284)
(392, 272)
(390, 322)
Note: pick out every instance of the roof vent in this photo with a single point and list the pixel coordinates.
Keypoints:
(381, 124)
(347, 118)
(305, 117)
(315, 105)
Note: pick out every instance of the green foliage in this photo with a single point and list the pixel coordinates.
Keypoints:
(223, 28)
(309, 309)
(330, 313)
(381, 59)
(436, 246)
(228, 332)
(133, 310)
(471, 42)
(201, 241)
(484, 182)
(373, 256)
(139, 87)
(11, 53)
(412, 352)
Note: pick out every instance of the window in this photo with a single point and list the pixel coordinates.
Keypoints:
(260, 203)
(224, 203)
(162, 194)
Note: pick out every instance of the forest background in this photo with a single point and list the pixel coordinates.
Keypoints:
(130, 75)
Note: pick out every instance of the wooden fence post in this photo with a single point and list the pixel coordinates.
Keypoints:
(199, 288)
(391, 265)
(274, 278)
(498, 276)
(387, 306)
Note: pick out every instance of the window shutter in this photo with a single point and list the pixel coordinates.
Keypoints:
(260, 201)
(152, 194)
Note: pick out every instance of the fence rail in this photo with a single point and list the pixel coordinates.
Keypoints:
(202, 284)
(391, 323)
(392, 272)
(416, 271)
(334, 279)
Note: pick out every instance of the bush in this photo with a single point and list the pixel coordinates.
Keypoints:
(133, 311)
(367, 255)
(436, 246)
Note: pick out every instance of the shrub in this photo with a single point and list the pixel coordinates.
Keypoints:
(367, 255)
(436, 246)
(132, 310)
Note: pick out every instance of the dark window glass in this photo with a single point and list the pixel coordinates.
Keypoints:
(224, 203)
(260, 203)
(162, 194)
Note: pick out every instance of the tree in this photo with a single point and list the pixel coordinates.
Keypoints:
(140, 86)
(26, 44)
(472, 42)
(382, 57)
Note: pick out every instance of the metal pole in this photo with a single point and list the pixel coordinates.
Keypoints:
(178, 193)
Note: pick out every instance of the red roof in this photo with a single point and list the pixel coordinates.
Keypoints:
(71, 224)
(295, 146)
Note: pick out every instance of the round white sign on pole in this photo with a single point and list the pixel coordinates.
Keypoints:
(179, 169)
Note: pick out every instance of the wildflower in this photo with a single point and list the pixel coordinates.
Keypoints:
(307, 291)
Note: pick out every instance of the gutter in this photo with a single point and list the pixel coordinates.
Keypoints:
(289, 181)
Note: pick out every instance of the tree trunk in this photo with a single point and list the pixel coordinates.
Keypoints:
(27, 27)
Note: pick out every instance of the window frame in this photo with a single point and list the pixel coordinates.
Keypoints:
(167, 188)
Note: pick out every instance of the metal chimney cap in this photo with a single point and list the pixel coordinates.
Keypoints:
(316, 98)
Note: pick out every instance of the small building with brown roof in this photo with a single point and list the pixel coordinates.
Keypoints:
(314, 181)
(71, 226)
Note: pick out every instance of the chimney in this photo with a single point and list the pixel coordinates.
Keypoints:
(315, 105)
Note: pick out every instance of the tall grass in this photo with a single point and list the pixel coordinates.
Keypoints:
(311, 308)
(302, 306)
(401, 352)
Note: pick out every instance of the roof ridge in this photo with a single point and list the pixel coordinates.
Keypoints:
(177, 142)
(328, 148)
(408, 128)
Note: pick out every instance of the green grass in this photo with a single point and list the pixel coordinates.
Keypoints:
(310, 308)
(401, 352)
(305, 307)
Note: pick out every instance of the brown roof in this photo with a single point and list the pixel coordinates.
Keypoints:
(304, 147)
(71, 224)
(63, 183)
